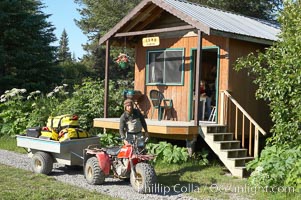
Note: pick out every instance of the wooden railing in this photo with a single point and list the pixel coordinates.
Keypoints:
(242, 123)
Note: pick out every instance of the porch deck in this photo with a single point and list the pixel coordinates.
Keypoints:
(163, 129)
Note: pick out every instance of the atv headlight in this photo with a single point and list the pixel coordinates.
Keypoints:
(140, 142)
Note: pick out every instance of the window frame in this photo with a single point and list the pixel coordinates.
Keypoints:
(164, 64)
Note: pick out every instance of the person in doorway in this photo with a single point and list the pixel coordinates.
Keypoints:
(205, 91)
(131, 123)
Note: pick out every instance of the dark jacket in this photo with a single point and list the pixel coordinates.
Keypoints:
(126, 118)
(208, 91)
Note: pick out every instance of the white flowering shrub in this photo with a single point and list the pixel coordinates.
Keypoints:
(258, 176)
(44, 105)
(19, 110)
(14, 111)
(87, 101)
(277, 167)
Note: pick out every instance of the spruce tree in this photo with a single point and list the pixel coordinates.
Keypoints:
(64, 54)
(26, 56)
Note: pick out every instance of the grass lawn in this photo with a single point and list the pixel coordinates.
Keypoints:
(22, 184)
(202, 182)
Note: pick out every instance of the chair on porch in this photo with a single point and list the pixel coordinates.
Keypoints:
(212, 116)
(160, 103)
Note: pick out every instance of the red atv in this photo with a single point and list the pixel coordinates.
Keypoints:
(126, 162)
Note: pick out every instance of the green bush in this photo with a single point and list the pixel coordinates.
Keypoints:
(277, 73)
(87, 101)
(201, 157)
(14, 112)
(69, 70)
(110, 139)
(19, 111)
(168, 153)
(43, 106)
(277, 166)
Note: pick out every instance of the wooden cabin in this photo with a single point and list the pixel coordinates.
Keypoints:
(178, 44)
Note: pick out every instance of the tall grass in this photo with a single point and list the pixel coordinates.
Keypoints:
(10, 143)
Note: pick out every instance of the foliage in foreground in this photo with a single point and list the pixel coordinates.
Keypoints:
(19, 110)
(168, 153)
(110, 139)
(278, 75)
(164, 152)
(271, 168)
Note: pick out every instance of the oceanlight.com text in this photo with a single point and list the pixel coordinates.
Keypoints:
(178, 188)
(250, 189)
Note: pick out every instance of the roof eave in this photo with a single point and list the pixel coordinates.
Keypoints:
(115, 29)
(243, 37)
(202, 27)
(198, 25)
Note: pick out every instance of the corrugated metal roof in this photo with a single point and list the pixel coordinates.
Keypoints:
(209, 20)
(225, 21)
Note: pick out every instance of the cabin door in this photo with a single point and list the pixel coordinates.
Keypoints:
(209, 74)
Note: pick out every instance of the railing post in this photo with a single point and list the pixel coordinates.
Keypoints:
(243, 132)
(256, 143)
(250, 139)
(236, 123)
(222, 113)
(226, 108)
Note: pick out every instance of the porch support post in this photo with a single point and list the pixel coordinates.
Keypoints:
(106, 95)
(197, 78)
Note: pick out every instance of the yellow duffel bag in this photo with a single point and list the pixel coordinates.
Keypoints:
(72, 133)
(63, 121)
(49, 134)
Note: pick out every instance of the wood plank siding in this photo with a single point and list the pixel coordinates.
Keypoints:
(241, 85)
(178, 93)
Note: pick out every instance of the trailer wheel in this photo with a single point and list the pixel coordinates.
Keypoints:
(42, 163)
(94, 175)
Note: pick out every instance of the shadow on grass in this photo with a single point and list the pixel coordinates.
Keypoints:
(192, 173)
(198, 181)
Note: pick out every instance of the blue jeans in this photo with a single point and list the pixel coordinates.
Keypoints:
(207, 107)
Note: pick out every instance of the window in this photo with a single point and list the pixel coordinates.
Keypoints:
(165, 67)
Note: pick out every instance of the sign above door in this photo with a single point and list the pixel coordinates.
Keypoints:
(150, 41)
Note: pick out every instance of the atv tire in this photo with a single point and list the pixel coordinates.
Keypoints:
(145, 178)
(42, 163)
(93, 174)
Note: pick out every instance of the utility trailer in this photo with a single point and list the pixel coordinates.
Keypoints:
(45, 152)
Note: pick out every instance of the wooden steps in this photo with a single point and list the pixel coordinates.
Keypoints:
(227, 149)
